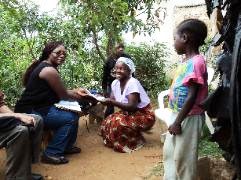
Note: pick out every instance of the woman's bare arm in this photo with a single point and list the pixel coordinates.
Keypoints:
(52, 76)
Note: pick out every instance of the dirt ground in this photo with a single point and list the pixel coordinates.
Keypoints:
(97, 162)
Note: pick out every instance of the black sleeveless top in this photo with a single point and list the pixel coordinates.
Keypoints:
(37, 94)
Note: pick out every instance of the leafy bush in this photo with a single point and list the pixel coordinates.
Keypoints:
(14, 59)
(150, 65)
(82, 69)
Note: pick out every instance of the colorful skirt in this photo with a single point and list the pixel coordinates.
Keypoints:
(122, 130)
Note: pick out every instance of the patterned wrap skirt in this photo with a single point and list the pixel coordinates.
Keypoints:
(122, 130)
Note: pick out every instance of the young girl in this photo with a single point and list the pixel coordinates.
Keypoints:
(122, 130)
(188, 89)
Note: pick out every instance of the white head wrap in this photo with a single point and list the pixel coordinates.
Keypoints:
(128, 62)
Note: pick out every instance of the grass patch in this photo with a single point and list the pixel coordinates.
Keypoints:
(157, 171)
(208, 148)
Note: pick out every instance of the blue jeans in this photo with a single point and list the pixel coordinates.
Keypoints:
(65, 127)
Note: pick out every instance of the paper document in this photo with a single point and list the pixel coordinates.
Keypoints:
(68, 105)
(98, 97)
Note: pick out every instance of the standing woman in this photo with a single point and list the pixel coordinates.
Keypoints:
(43, 88)
(122, 130)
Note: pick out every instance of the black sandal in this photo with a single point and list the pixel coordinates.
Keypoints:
(53, 159)
(73, 150)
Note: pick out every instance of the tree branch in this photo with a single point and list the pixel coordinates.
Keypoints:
(95, 41)
(28, 43)
(110, 43)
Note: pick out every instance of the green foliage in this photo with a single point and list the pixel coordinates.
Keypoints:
(23, 33)
(204, 48)
(13, 62)
(150, 65)
(82, 69)
(97, 19)
(208, 148)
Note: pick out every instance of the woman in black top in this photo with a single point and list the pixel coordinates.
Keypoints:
(43, 88)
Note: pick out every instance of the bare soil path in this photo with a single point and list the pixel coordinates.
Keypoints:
(97, 162)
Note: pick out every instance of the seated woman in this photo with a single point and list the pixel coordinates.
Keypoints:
(44, 88)
(122, 130)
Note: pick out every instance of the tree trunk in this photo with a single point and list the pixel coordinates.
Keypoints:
(110, 44)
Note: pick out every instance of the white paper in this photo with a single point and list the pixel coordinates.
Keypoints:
(96, 96)
(68, 105)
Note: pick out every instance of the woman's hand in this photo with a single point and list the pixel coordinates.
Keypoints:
(175, 129)
(74, 93)
(25, 118)
(79, 93)
(107, 101)
(82, 91)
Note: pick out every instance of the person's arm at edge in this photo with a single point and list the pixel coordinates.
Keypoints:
(5, 111)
